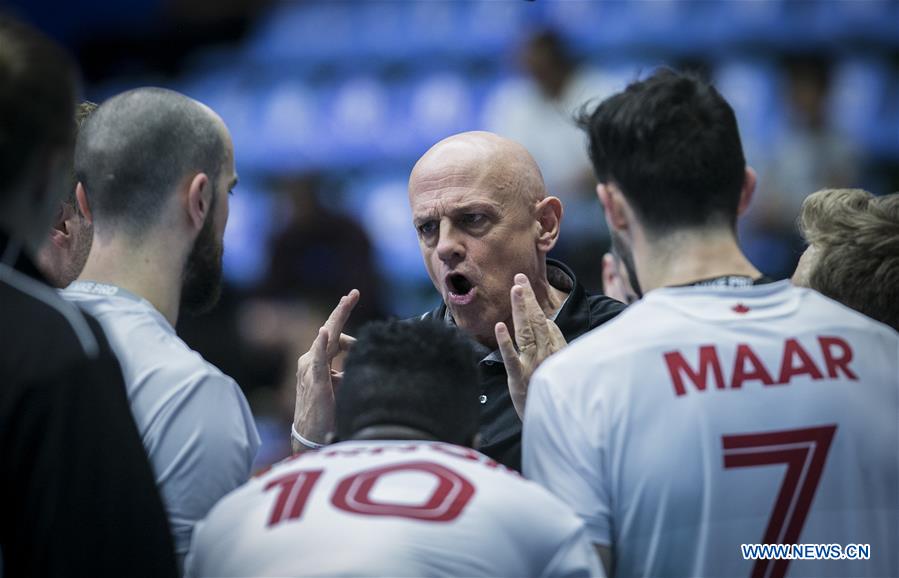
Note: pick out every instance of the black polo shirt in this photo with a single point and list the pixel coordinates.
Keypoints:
(500, 426)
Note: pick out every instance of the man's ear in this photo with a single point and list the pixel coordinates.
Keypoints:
(83, 205)
(199, 200)
(549, 216)
(60, 233)
(749, 182)
(613, 206)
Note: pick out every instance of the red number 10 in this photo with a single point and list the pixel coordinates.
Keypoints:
(804, 451)
(353, 494)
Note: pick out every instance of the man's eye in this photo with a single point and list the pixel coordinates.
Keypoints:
(473, 219)
(427, 228)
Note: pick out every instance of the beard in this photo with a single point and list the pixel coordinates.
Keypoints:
(623, 251)
(81, 248)
(201, 284)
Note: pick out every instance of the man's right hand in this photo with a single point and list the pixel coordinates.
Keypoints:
(313, 416)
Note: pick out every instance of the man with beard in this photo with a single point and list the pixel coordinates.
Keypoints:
(65, 250)
(155, 169)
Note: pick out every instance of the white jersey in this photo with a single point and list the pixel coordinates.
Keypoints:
(194, 420)
(701, 419)
(391, 508)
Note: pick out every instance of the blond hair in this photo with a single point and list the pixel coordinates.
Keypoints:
(856, 237)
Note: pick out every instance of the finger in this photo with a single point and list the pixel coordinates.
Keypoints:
(336, 380)
(535, 314)
(510, 356)
(558, 340)
(320, 370)
(338, 319)
(345, 342)
(524, 334)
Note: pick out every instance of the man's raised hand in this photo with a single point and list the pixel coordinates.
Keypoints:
(536, 336)
(313, 417)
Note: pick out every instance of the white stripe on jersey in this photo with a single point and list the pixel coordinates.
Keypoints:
(49, 297)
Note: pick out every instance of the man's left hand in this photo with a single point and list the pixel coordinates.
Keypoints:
(536, 336)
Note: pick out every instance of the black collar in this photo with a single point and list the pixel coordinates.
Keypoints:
(574, 315)
(728, 281)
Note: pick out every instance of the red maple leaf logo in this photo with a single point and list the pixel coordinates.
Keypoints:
(740, 308)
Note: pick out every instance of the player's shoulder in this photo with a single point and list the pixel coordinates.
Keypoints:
(154, 358)
(167, 357)
(44, 332)
(831, 313)
(619, 335)
(144, 337)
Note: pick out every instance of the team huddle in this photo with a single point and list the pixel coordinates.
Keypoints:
(523, 427)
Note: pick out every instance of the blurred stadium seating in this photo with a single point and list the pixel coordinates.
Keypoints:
(366, 87)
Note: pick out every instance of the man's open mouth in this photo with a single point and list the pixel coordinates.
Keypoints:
(460, 289)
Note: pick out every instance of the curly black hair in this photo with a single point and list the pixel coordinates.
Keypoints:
(420, 374)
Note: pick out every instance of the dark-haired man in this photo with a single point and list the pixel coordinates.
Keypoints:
(485, 225)
(65, 251)
(155, 171)
(714, 412)
(402, 493)
(79, 497)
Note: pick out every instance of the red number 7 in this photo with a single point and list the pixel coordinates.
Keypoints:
(804, 451)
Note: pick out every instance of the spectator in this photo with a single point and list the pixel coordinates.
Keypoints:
(538, 112)
(320, 254)
(807, 156)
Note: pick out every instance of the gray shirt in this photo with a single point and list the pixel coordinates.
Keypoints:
(193, 419)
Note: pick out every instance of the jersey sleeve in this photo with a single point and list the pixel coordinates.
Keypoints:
(558, 455)
(203, 448)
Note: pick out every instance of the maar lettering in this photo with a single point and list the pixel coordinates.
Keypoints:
(748, 367)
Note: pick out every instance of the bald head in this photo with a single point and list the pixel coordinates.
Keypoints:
(482, 215)
(138, 147)
(481, 158)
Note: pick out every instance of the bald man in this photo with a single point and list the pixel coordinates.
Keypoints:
(155, 170)
(485, 225)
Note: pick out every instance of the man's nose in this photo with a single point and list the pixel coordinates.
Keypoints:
(450, 245)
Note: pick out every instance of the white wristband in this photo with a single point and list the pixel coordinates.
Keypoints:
(303, 441)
